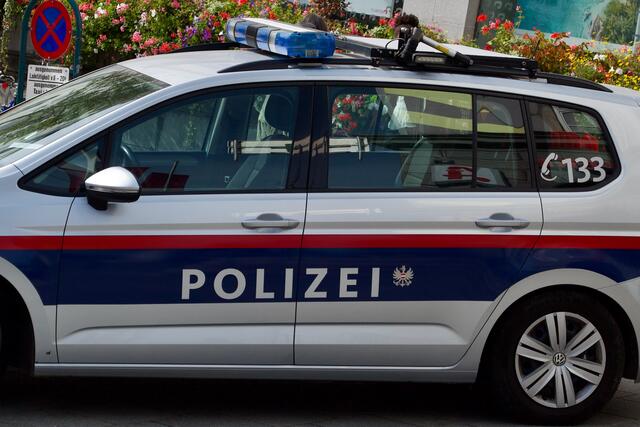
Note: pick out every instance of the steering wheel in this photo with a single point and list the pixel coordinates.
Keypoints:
(129, 159)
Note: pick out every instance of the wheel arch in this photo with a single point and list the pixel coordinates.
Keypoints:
(583, 281)
(31, 316)
(577, 280)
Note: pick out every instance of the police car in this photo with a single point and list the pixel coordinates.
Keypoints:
(387, 212)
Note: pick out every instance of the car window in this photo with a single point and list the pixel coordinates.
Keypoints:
(572, 149)
(26, 128)
(66, 176)
(411, 139)
(503, 152)
(233, 141)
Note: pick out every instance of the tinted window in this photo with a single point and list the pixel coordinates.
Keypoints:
(572, 149)
(503, 153)
(66, 177)
(390, 138)
(232, 141)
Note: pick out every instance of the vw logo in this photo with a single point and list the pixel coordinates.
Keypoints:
(559, 359)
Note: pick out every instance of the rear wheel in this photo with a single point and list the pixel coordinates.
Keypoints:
(558, 359)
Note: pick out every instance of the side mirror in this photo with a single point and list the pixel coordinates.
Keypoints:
(115, 185)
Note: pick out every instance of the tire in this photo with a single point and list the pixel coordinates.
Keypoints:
(540, 382)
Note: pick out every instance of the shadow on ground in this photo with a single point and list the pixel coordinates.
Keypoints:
(88, 401)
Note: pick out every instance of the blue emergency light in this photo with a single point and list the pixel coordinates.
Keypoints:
(283, 39)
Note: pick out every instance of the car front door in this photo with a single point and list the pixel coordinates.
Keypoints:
(200, 270)
(422, 211)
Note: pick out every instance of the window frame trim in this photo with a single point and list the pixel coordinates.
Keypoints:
(301, 139)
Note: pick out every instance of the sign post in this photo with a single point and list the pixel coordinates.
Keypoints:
(51, 35)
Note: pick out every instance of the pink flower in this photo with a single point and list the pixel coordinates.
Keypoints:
(136, 38)
(121, 8)
(175, 4)
(85, 7)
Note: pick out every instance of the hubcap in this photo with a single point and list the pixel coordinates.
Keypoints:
(560, 360)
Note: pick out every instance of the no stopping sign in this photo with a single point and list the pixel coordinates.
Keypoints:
(51, 30)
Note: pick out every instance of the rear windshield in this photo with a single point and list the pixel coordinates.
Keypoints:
(24, 128)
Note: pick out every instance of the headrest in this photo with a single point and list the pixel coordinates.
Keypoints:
(279, 113)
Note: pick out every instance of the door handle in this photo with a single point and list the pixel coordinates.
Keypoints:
(270, 220)
(502, 220)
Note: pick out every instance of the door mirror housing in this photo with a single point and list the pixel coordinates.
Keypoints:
(112, 185)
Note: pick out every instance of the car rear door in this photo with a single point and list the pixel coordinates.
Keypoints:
(200, 270)
(422, 210)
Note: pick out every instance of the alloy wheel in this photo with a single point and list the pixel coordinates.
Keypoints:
(560, 360)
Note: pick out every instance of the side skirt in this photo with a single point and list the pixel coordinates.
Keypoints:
(276, 372)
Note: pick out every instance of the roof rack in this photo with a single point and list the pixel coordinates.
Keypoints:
(485, 70)
(406, 56)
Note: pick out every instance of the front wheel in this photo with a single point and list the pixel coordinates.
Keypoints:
(557, 359)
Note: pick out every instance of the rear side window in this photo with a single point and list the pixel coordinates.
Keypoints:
(573, 151)
(425, 140)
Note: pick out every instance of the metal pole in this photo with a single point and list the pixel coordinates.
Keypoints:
(636, 38)
(22, 68)
(75, 71)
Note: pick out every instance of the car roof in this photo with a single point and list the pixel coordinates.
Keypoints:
(185, 67)
(178, 68)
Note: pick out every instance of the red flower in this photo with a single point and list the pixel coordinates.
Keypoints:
(488, 47)
(165, 48)
(485, 30)
(555, 36)
(482, 17)
(382, 22)
(508, 25)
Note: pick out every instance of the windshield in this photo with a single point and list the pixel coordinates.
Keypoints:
(24, 128)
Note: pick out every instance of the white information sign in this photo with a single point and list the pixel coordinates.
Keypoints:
(372, 7)
(42, 78)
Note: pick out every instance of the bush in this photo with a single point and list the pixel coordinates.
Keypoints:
(115, 30)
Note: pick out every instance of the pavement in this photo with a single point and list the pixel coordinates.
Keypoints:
(137, 402)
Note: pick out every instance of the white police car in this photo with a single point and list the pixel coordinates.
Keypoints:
(398, 215)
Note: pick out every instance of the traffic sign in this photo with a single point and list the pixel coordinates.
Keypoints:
(51, 29)
(42, 79)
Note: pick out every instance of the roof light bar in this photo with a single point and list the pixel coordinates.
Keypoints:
(283, 39)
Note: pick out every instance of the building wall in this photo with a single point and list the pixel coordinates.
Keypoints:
(455, 17)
